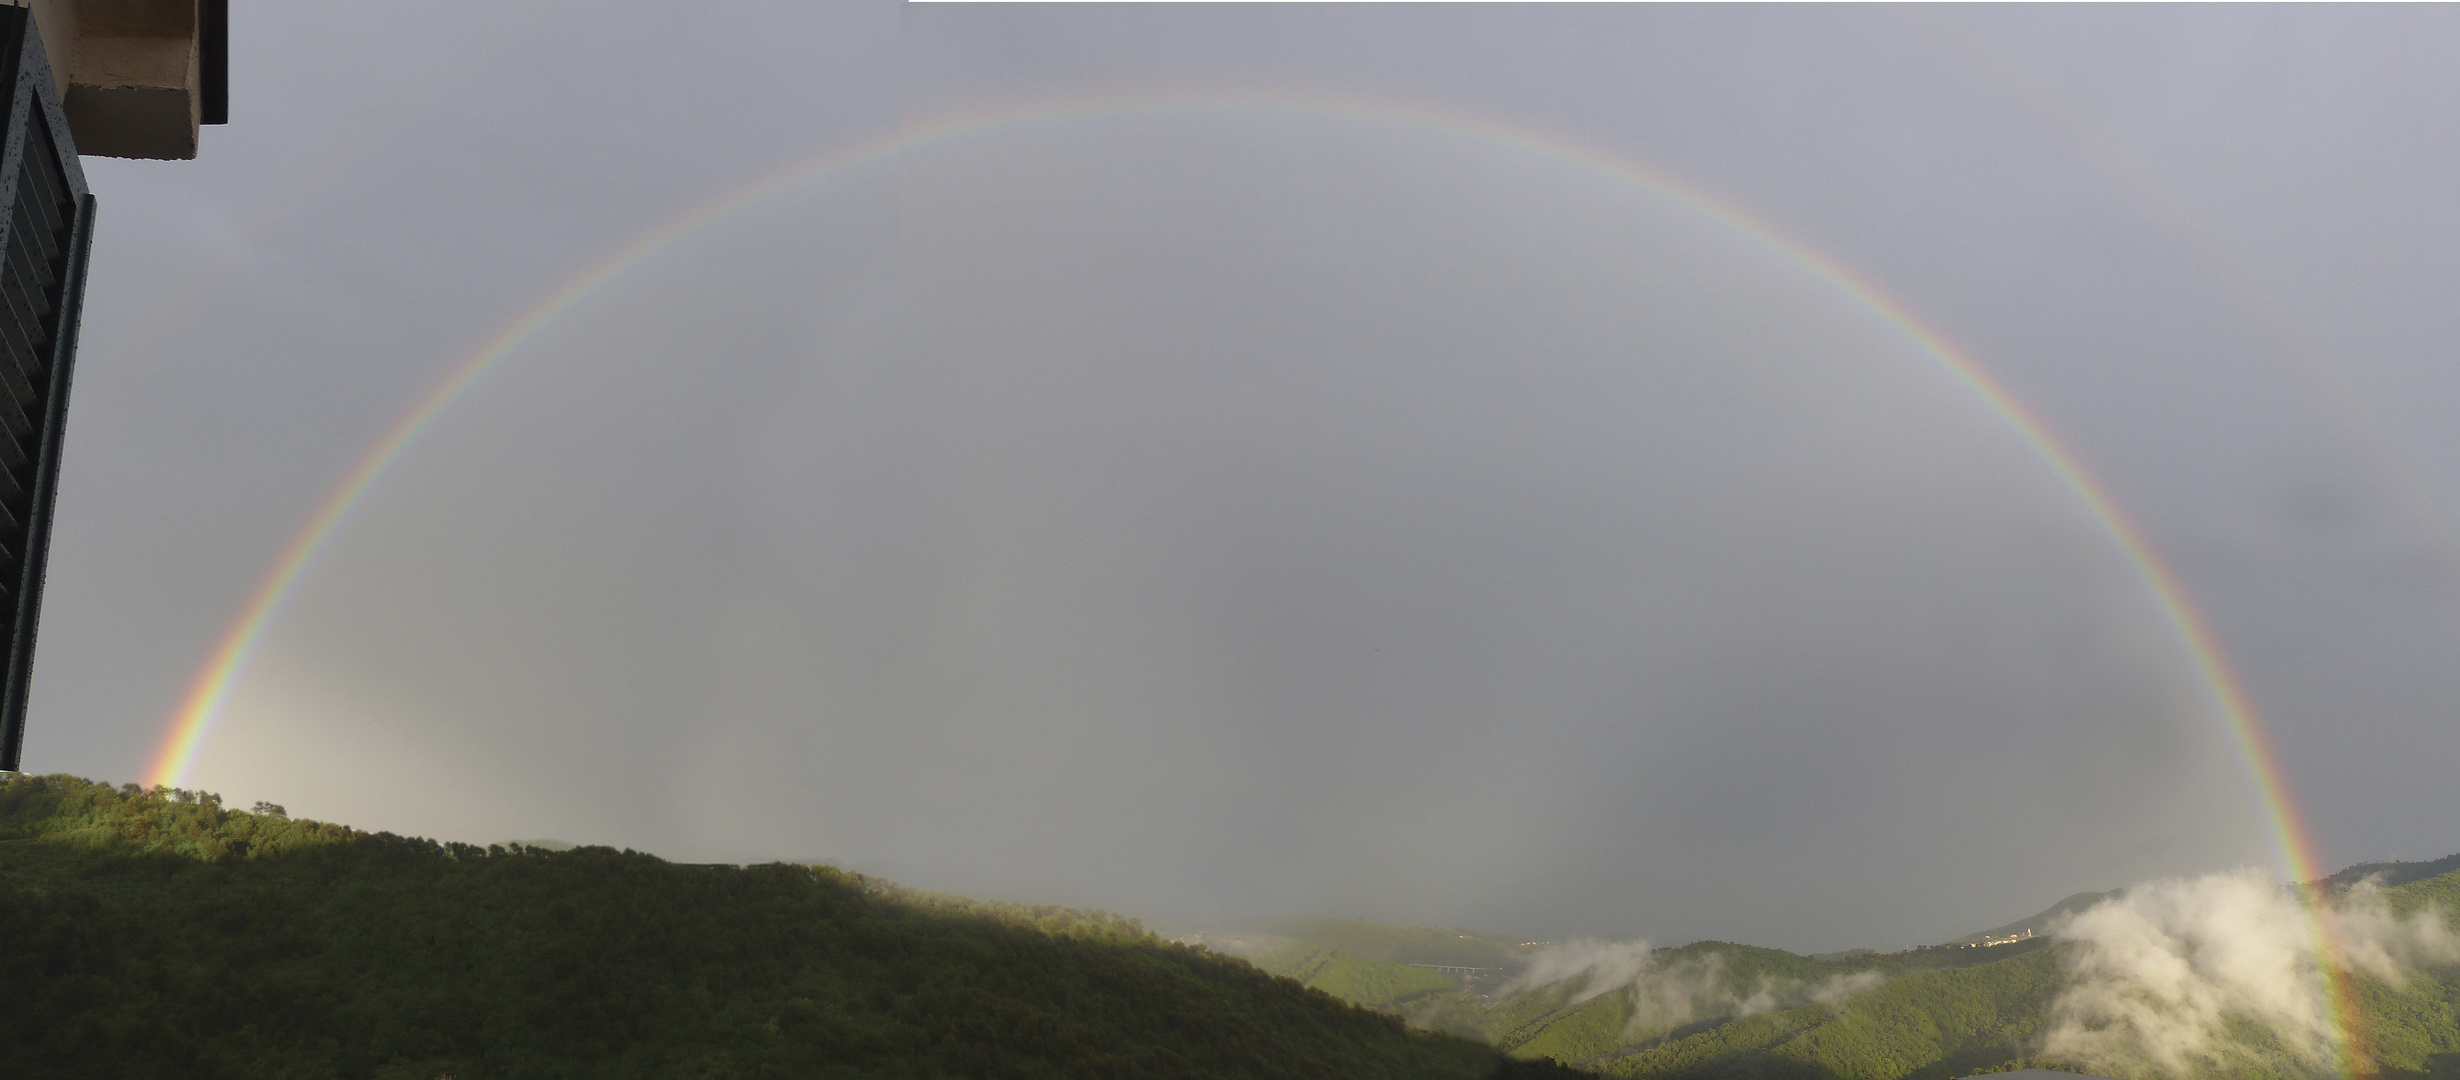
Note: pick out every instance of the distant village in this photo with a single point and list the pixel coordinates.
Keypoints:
(1976, 943)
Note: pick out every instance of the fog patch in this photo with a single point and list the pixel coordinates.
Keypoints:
(1669, 993)
(2208, 975)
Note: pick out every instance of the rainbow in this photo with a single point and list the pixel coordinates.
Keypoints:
(193, 724)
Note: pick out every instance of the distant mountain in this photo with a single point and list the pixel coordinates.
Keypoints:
(2041, 924)
(156, 934)
(1408, 944)
(1705, 990)
(1981, 1004)
(2394, 873)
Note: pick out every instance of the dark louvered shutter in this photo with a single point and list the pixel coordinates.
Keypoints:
(48, 221)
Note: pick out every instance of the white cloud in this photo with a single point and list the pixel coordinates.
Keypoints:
(2174, 974)
(1669, 995)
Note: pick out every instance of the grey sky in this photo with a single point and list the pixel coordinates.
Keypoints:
(1209, 514)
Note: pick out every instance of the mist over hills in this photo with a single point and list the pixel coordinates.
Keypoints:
(156, 933)
(2394, 872)
(2210, 976)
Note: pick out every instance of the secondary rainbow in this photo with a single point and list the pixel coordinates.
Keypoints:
(193, 724)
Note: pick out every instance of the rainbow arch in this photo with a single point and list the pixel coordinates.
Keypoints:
(192, 725)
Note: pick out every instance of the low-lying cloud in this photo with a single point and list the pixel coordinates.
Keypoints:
(2208, 975)
(1668, 994)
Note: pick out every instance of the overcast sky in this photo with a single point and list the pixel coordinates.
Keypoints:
(1225, 510)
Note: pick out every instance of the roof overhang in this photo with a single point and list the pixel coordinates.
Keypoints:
(137, 77)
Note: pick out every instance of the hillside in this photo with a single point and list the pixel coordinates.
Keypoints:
(2394, 872)
(1716, 1009)
(157, 934)
(1407, 944)
(2041, 923)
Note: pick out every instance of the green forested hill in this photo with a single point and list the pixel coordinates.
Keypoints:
(1718, 1010)
(2394, 873)
(156, 934)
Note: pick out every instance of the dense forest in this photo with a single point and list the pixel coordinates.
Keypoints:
(154, 933)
